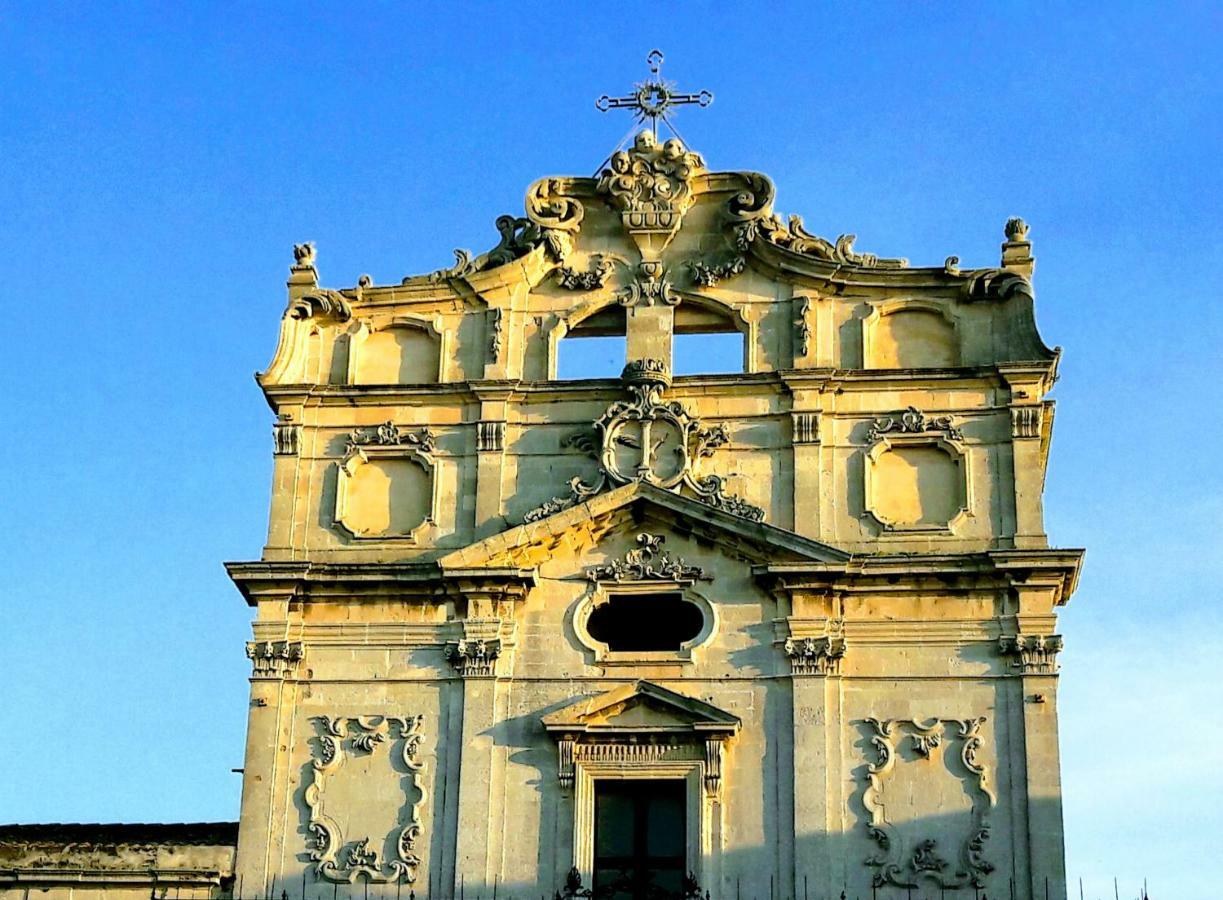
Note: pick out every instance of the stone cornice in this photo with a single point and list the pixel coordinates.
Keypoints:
(1057, 570)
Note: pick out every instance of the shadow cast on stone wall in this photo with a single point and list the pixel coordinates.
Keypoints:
(826, 867)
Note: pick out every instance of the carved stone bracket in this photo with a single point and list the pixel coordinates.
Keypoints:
(648, 562)
(340, 857)
(1033, 654)
(913, 421)
(651, 288)
(652, 440)
(902, 865)
(274, 659)
(286, 434)
(820, 655)
(474, 658)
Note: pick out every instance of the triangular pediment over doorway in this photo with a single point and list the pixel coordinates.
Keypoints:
(641, 708)
(583, 525)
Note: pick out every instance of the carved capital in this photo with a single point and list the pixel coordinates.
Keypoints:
(820, 655)
(1032, 654)
(490, 436)
(474, 658)
(286, 435)
(806, 428)
(1025, 421)
(274, 659)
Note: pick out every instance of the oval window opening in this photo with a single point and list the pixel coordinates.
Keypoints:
(649, 622)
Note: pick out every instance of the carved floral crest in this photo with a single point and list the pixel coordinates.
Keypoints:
(651, 185)
(647, 562)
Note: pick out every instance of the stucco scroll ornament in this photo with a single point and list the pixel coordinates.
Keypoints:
(653, 440)
(913, 421)
(322, 304)
(344, 738)
(550, 204)
(648, 561)
(751, 217)
(893, 863)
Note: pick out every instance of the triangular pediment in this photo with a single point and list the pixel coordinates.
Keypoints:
(641, 708)
(583, 525)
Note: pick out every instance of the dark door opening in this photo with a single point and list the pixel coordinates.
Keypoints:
(640, 835)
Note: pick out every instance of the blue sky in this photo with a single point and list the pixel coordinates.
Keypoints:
(157, 163)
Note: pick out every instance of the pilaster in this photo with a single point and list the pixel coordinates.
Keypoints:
(265, 782)
(805, 435)
(815, 649)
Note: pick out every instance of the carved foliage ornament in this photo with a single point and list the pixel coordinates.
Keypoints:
(751, 217)
(1033, 654)
(342, 858)
(652, 440)
(388, 434)
(647, 562)
(273, 659)
(913, 421)
(650, 184)
(819, 655)
(474, 657)
(593, 278)
(895, 863)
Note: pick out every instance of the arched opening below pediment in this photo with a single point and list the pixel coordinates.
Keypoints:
(707, 339)
(595, 347)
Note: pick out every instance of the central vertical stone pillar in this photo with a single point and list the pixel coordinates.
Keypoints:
(648, 333)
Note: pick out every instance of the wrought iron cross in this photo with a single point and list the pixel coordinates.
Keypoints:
(653, 97)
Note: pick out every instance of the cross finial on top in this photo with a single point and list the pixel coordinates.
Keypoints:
(654, 97)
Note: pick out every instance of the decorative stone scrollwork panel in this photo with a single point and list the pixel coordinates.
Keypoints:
(377, 837)
(387, 483)
(916, 473)
(932, 771)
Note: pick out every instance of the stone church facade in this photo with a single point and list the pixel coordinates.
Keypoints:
(784, 632)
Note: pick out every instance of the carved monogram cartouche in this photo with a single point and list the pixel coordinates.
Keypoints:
(655, 441)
